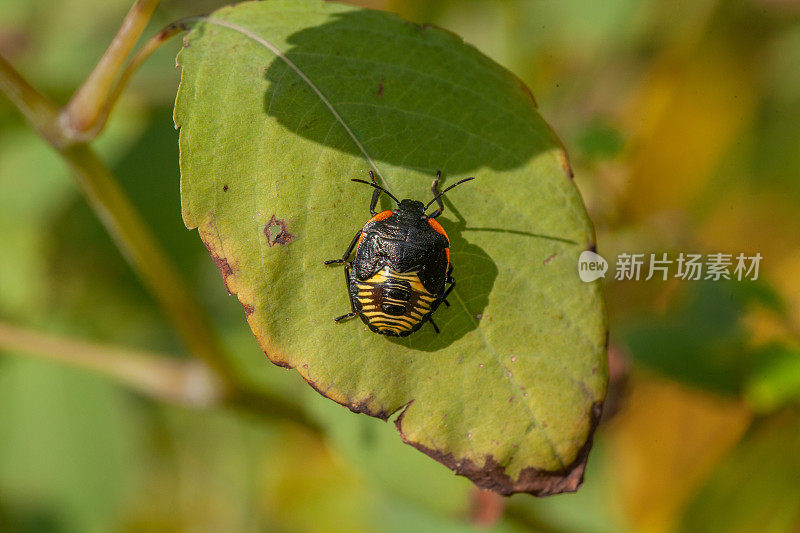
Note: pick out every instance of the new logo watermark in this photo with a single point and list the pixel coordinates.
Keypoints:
(591, 266)
(686, 266)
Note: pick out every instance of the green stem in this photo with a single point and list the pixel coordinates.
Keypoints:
(124, 223)
(81, 114)
(149, 47)
(143, 252)
(262, 404)
(85, 115)
(159, 376)
(184, 382)
(40, 112)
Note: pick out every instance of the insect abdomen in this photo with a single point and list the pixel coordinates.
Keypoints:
(393, 303)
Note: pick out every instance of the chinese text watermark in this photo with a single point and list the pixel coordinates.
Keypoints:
(685, 266)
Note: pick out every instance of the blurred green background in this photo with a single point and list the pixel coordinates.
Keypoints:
(682, 122)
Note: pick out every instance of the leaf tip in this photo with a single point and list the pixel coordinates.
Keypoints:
(492, 475)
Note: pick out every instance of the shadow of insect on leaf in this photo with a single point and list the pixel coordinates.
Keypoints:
(468, 300)
(455, 114)
(353, 112)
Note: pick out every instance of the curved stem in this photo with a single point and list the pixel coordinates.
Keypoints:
(149, 47)
(81, 113)
(123, 222)
(85, 115)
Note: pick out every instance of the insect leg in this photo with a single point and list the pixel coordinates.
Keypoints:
(451, 280)
(435, 191)
(347, 253)
(376, 193)
(435, 327)
(450, 288)
(352, 313)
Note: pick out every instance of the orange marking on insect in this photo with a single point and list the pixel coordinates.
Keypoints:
(438, 228)
(380, 216)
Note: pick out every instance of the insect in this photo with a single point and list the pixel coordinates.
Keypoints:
(401, 271)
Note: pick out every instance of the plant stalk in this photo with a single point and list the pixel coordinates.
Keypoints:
(189, 383)
(38, 110)
(68, 131)
(123, 222)
(149, 260)
(81, 114)
(149, 47)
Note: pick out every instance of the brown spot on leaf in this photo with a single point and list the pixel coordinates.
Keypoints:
(363, 407)
(248, 309)
(308, 125)
(380, 88)
(224, 188)
(549, 259)
(564, 158)
(360, 407)
(222, 264)
(276, 232)
(491, 475)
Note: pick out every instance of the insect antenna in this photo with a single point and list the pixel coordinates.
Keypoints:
(377, 187)
(447, 189)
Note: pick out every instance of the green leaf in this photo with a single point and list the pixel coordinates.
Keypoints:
(67, 445)
(703, 340)
(757, 486)
(280, 104)
(777, 382)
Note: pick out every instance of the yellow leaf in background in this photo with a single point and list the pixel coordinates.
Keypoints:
(755, 487)
(765, 327)
(766, 224)
(308, 488)
(785, 277)
(686, 116)
(752, 222)
(665, 442)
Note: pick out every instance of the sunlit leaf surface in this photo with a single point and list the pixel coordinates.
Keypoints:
(280, 104)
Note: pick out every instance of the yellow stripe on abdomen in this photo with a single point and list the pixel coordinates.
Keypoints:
(370, 296)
